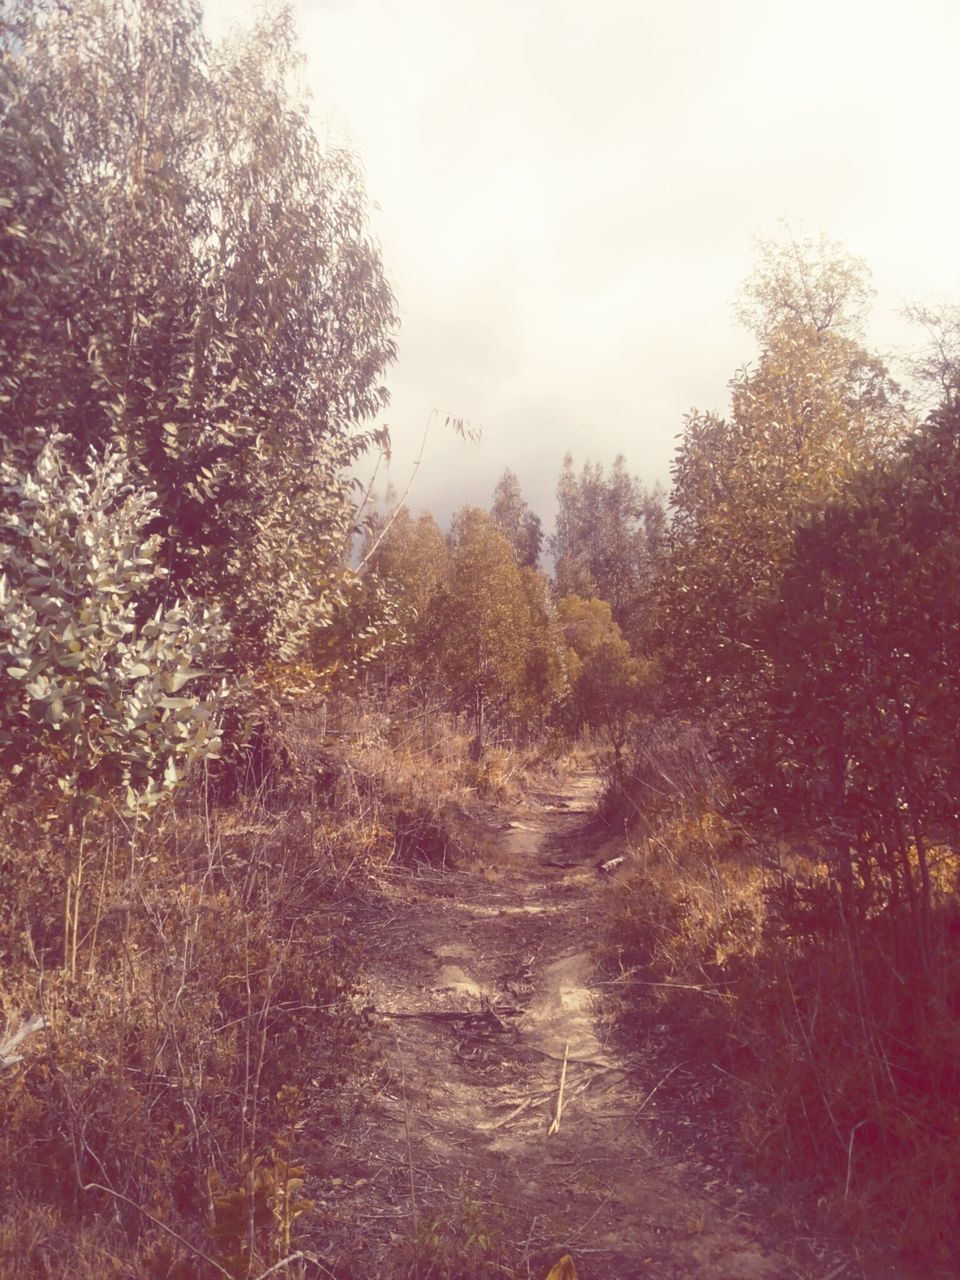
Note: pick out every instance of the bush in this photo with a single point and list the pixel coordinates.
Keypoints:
(97, 703)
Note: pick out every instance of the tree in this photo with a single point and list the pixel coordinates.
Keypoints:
(213, 300)
(108, 701)
(817, 408)
(607, 684)
(854, 741)
(805, 284)
(937, 366)
(412, 559)
(410, 566)
(545, 679)
(608, 538)
(480, 617)
(101, 709)
(516, 521)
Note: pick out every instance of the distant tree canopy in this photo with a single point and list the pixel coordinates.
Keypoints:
(410, 565)
(518, 524)
(483, 619)
(607, 684)
(608, 539)
(187, 273)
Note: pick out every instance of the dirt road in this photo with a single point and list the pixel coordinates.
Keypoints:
(483, 982)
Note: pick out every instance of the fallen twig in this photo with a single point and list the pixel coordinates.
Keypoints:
(498, 1124)
(452, 1015)
(413, 1186)
(555, 1122)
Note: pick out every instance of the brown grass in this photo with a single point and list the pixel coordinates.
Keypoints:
(842, 1057)
(170, 1119)
(212, 1021)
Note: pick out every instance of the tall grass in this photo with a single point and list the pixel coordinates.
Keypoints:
(153, 1127)
(843, 1054)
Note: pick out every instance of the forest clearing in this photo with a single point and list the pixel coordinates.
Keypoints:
(433, 892)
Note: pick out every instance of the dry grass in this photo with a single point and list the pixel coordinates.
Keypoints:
(157, 1119)
(843, 1060)
(213, 1038)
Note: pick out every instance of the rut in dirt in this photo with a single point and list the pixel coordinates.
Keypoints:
(484, 984)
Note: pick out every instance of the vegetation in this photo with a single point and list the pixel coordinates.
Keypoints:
(795, 797)
(194, 329)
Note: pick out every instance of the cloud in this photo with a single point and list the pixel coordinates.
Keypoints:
(567, 194)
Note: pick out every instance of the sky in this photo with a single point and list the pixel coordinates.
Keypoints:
(567, 198)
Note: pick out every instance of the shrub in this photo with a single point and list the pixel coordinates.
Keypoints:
(96, 702)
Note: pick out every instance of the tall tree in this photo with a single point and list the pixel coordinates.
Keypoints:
(607, 685)
(481, 617)
(410, 565)
(937, 366)
(214, 300)
(518, 524)
(817, 408)
(608, 539)
(854, 738)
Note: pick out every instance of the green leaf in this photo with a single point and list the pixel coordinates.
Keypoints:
(173, 681)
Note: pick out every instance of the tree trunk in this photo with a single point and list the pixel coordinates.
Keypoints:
(476, 747)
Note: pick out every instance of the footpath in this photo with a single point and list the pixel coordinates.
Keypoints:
(482, 985)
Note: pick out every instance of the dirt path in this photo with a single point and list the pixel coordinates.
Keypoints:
(482, 980)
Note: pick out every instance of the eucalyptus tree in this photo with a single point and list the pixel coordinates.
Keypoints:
(608, 538)
(199, 284)
(817, 408)
(518, 524)
(480, 618)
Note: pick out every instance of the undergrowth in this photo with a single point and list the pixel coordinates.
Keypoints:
(842, 1055)
(170, 1113)
(156, 1125)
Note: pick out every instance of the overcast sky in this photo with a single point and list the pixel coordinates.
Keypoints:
(567, 194)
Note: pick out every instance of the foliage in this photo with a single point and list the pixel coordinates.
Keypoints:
(96, 703)
(817, 408)
(194, 278)
(212, 1018)
(608, 540)
(608, 686)
(937, 366)
(854, 742)
(467, 1246)
(518, 524)
(545, 680)
(408, 566)
(805, 283)
(795, 913)
(835, 1073)
(482, 618)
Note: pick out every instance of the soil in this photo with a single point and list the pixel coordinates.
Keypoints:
(482, 984)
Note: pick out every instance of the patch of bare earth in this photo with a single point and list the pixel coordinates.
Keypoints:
(482, 981)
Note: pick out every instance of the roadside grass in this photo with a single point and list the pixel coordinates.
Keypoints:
(163, 1121)
(842, 1058)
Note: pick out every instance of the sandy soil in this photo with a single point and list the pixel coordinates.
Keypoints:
(481, 982)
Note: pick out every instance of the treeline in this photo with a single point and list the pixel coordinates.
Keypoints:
(480, 630)
(801, 765)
